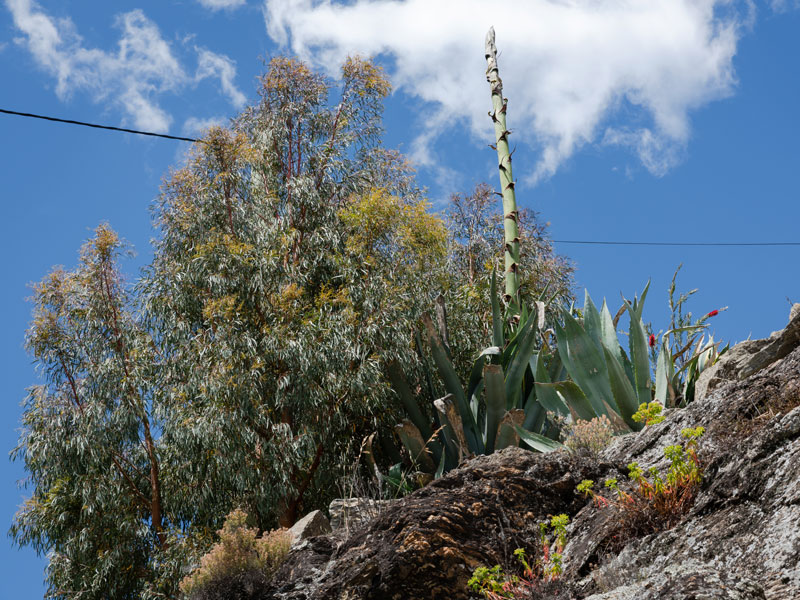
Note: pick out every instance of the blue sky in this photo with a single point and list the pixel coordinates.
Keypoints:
(642, 120)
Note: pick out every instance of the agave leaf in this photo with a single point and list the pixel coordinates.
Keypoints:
(495, 402)
(403, 390)
(536, 441)
(452, 384)
(573, 397)
(624, 394)
(450, 432)
(555, 370)
(506, 434)
(476, 378)
(440, 468)
(585, 363)
(412, 440)
(535, 413)
(663, 374)
(610, 339)
(458, 427)
(638, 304)
(547, 397)
(474, 403)
(639, 352)
(425, 365)
(519, 364)
(592, 322)
(369, 457)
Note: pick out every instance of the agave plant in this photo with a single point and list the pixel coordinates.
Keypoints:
(605, 380)
(499, 406)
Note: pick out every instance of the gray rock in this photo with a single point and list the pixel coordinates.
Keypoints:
(351, 513)
(686, 580)
(313, 524)
(749, 357)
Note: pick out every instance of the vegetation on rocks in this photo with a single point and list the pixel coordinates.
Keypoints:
(302, 295)
(251, 352)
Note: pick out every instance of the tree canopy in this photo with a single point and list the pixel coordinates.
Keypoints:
(294, 258)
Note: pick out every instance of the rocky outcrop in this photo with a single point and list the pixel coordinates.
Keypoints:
(740, 539)
(749, 357)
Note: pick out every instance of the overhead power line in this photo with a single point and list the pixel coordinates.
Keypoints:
(96, 126)
(586, 242)
(610, 243)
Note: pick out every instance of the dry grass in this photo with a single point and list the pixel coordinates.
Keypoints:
(240, 550)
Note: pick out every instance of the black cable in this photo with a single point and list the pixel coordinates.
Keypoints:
(607, 243)
(592, 242)
(109, 127)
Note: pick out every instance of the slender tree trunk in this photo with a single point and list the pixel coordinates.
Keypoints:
(510, 212)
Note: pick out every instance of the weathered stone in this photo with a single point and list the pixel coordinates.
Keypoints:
(749, 357)
(313, 524)
(351, 513)
(427, 545)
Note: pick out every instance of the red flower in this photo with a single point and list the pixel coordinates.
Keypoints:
(652, 340)
(713, 313)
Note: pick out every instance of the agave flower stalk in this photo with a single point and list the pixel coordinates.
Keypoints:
(510, 213)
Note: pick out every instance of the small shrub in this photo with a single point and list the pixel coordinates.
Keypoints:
(590, 437)
(649, 413)
(495, 584)
(658, 501)
(238, 551)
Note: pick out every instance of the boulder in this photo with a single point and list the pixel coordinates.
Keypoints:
(313, 524)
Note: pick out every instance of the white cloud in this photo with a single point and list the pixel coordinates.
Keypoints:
(132, 78)
(195, 126)
(784, 5)
(571, 68)
(217, 65)
(222, 4)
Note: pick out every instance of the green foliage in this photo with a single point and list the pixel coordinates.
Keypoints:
(684, 352)
(607, 380)
(498, 408)
(248, 355)
(650, 413)
(286, 269)
(658, 500)
(240, 549)
(495, 584)
(101, 505)
(476, 241)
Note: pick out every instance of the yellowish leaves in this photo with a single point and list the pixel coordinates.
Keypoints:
(289, 79)
(385, 227)
(369, 78)
(221, 309)
(225, 244)
(239, 550)
(328, 297)
(102, 248)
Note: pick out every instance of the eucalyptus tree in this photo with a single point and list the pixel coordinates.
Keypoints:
(90, 443)
(294, 255)
(289, 265)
